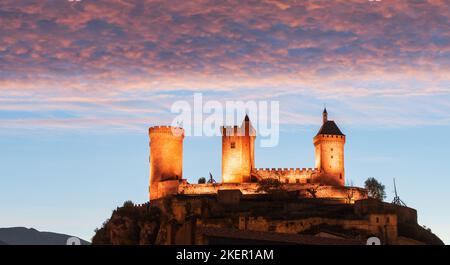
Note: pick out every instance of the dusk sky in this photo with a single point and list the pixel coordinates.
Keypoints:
(81, 82)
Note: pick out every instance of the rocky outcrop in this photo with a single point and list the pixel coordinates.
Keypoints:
(130, 225)
(184, 220)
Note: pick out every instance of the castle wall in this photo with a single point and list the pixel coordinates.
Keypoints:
(166, 157)
(345, 194)
(212, 189)
(404, 214)
(382, 225)
(168, 187)
(288, 175)
(348, 194)
(329, 156)
(385, 226)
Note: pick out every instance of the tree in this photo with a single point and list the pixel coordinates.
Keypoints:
(273, 187)
(375, 189)
(128, 204)
(269, 185)
(201, 180)
(312, 191)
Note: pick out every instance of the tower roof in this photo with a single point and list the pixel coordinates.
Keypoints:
(246, 118)
(330, 127)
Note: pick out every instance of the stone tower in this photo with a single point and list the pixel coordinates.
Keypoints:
(166, 160)
(329, 149)
(238, 152)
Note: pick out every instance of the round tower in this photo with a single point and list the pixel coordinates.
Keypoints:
(329, 149)
(166, 160)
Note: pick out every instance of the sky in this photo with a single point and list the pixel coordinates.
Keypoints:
(81, 82)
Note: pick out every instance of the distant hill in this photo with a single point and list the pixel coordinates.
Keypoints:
(31, 236)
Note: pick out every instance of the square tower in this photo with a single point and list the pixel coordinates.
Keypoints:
(238, 152)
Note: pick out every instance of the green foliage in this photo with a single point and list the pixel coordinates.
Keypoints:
(270, 185)
(375, 189)
(101, 237)
(202, 180)
(128, 204)
(130, 225)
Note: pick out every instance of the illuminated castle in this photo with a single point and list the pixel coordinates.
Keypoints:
(304, 206)
(238, 164)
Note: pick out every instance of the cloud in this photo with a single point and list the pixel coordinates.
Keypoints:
(118, 61)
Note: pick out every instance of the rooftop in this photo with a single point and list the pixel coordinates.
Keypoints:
(330, 127)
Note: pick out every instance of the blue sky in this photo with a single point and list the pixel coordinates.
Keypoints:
(81, 82)
(71, 182)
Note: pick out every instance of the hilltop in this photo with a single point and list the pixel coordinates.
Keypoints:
(231, 218)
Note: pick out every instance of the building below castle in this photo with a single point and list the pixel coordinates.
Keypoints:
(325, 180)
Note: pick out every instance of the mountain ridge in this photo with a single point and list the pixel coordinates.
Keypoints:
(30, 236)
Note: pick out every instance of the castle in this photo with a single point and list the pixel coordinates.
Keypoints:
(313, 206)
(238, 164)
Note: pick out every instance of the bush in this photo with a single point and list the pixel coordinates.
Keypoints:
(269, 185)
(202, 180)
(128, 204)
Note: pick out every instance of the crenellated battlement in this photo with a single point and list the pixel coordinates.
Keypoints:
(146, 204)
(285, 171)
(330, 136)
(166, 129)
(287, 175)
(236, 131)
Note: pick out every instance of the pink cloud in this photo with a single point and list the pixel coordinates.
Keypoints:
(86, 57)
